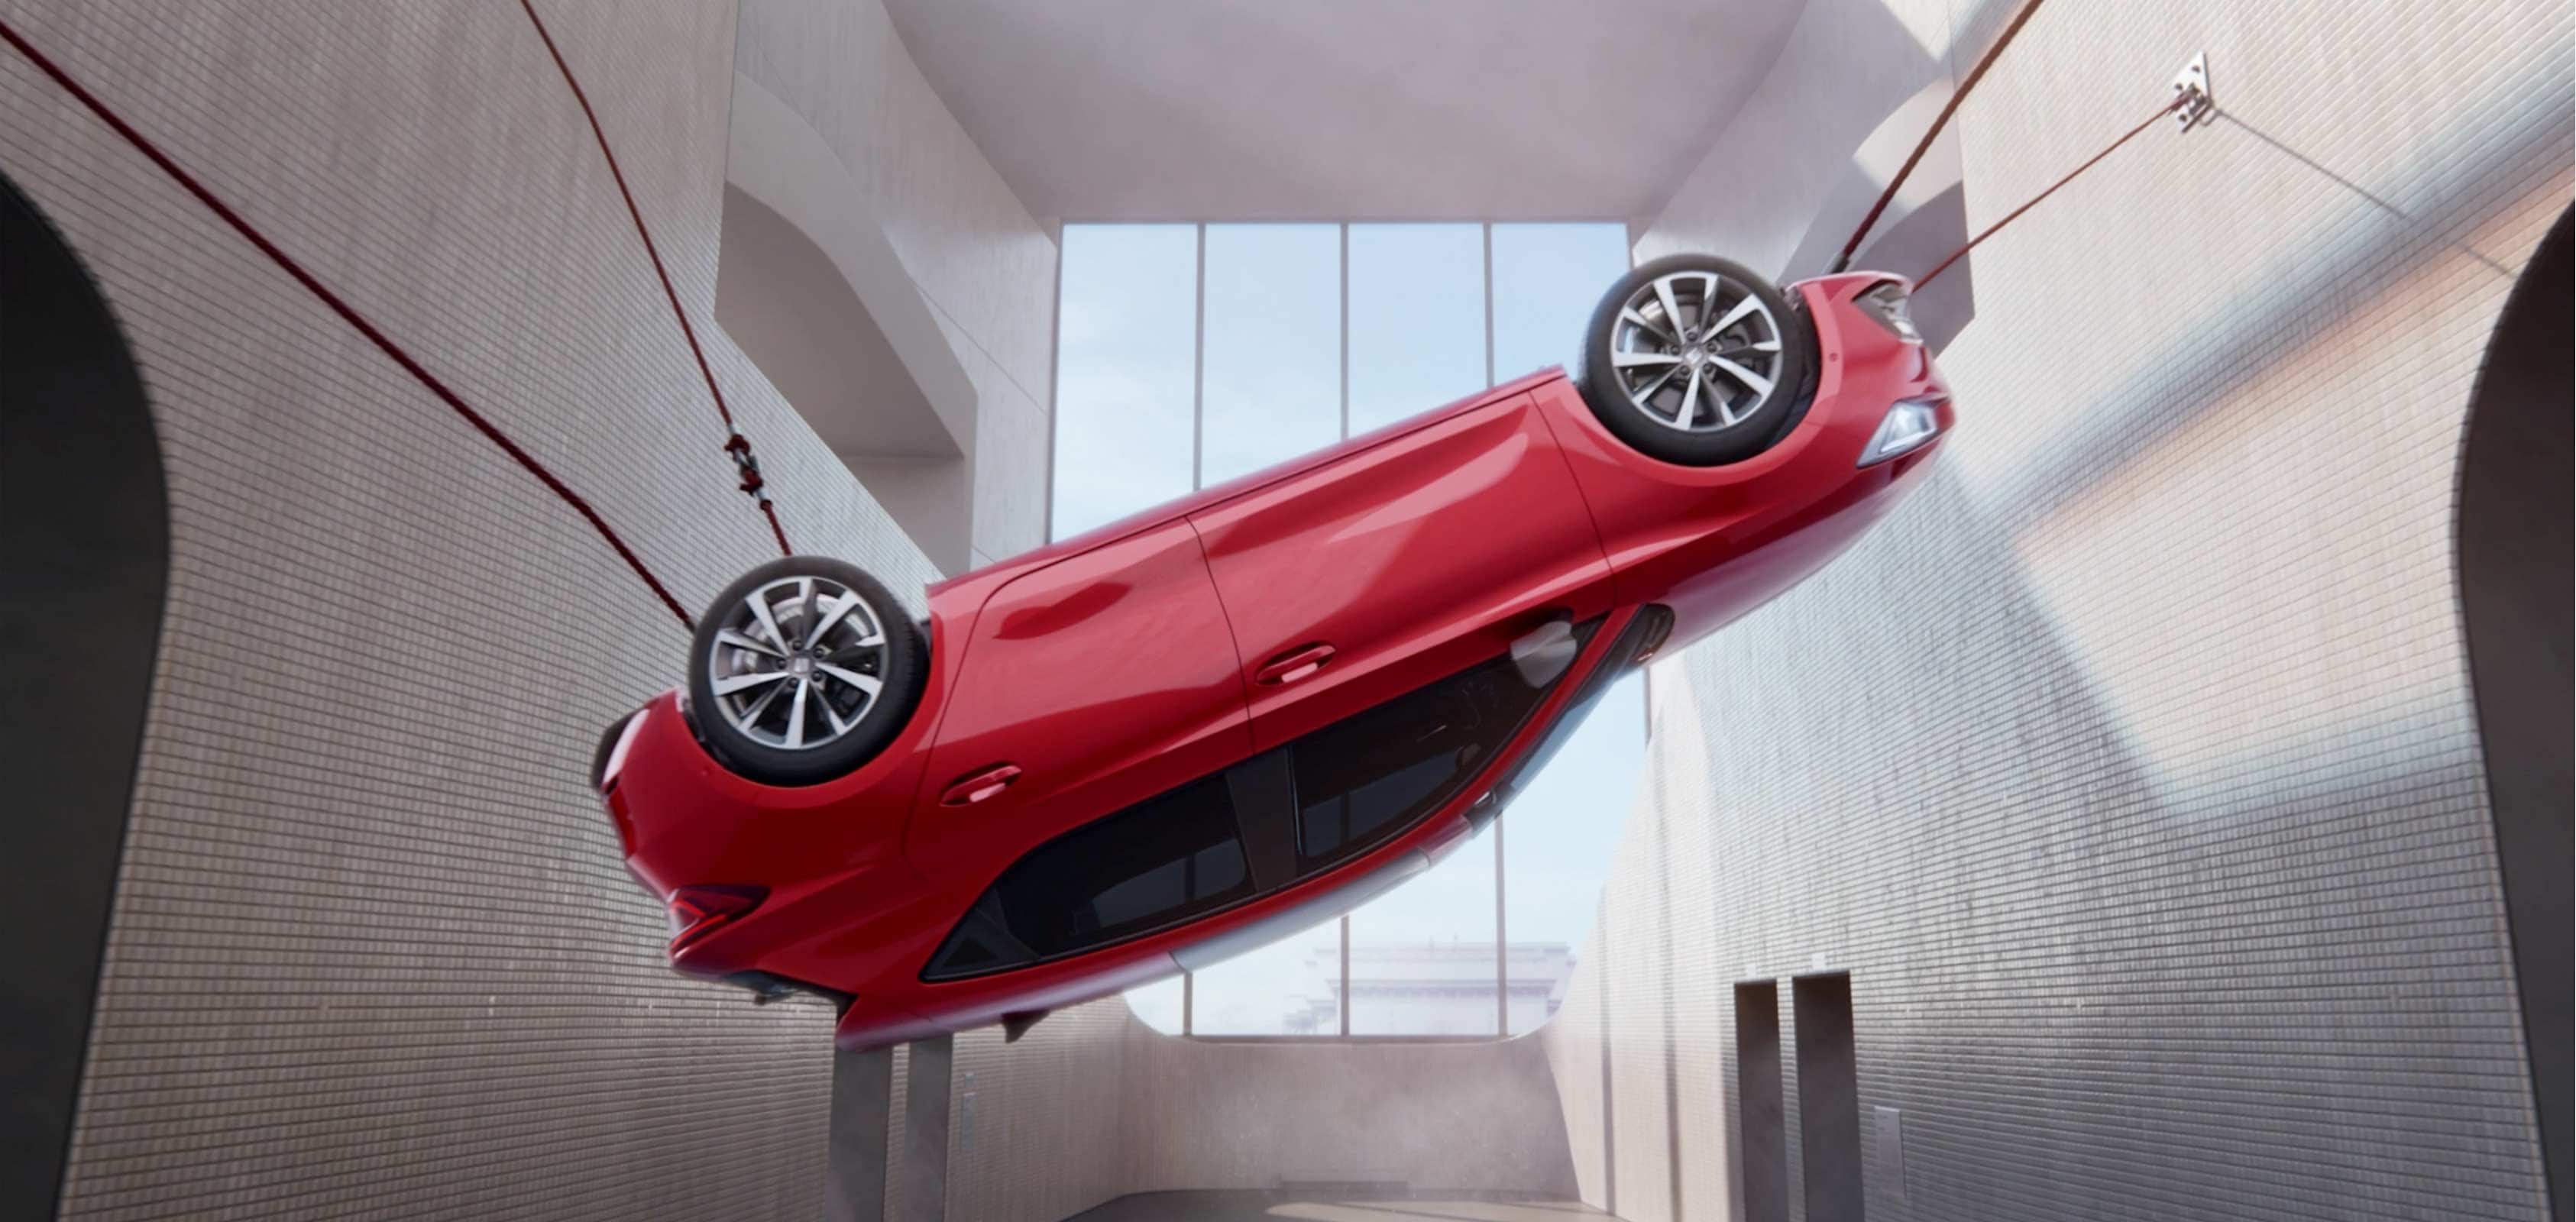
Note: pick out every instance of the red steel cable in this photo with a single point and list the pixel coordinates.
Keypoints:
(774, 528)
(2131, 134)
(751, 481)
(1939, 121)
(342, 308)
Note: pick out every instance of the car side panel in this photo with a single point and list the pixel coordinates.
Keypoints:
(895, 946)
(1411, 559)
(1105, 678)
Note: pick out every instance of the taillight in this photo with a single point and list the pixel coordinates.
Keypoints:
(699, 911)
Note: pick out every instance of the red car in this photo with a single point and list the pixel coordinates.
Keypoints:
(1229, 718)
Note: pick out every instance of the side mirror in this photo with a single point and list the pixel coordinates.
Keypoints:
(1542, 653)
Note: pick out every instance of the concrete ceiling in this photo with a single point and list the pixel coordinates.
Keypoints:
(1118, 110)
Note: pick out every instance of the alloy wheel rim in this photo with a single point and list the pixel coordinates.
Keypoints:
(799, 662)
(1696, 352)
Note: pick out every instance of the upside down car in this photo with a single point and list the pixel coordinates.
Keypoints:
(1226, 719)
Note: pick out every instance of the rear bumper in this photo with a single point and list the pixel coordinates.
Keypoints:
(821, 858)
(674, 807)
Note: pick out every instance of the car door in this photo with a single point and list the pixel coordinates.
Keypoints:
(1395, 565)
(1087, 686)
(1260, 826)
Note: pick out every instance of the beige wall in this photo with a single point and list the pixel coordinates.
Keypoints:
(2128, 768)
(373, 953)
(986, 268)
(1093, 1104)
(1434, 1116)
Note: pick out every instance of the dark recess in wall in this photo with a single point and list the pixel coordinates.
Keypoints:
(2517, 524)
(84, 554)
(1828, 1097)
(1762, 1116)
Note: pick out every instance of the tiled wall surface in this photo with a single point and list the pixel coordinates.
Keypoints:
(2129, 769)
(1037, 1128)
(373, 953)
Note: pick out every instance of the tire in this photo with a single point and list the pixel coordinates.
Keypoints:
(1745, 384)
(759, 626)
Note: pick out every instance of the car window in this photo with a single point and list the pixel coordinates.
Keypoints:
(1370, 776)
(978, 945)
(1161, 861)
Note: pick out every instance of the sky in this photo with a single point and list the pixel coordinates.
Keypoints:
(1127, 347)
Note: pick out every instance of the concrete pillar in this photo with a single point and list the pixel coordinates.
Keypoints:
(854, 1173)
(925, 1130)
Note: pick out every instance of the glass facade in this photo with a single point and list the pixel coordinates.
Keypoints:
(1273, 346)
(1126, 374)
(1417, 319)
(1193, 354)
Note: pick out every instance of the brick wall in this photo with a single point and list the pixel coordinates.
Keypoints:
(373, 953)
(2129, 768)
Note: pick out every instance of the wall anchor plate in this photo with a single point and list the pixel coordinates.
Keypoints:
(2192, 86)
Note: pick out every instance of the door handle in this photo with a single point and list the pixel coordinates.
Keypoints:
(1293, 665)
(974, 787)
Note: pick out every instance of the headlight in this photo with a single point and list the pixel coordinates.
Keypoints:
(1885, 303)
(1908, 425)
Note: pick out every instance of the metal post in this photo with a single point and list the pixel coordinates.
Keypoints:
(925, 1130)
(1198, 369)
(1346, 974)
(854, 1170)
(1489, 303)
(1502, 956)
(1346, 335)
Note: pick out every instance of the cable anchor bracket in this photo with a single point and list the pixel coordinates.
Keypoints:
(2193, 104)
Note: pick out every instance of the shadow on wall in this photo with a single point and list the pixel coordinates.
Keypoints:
(1949, 882)
(1915, 245)
(1926, 221)
(84, 555)
(811, 290)
(2303, 298)
(1762, 174)
(2084, 795)
(1939, 1028)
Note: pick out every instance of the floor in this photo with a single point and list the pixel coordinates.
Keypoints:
(1330, 1207)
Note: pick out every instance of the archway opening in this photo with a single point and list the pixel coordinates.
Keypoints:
(2517, 530)
(84, 562)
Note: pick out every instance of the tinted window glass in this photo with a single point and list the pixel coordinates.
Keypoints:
(1368, 777)
(978, 945)
(1172, 857)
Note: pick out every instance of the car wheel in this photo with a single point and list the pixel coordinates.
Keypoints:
(1693, 359)
(803, 670)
